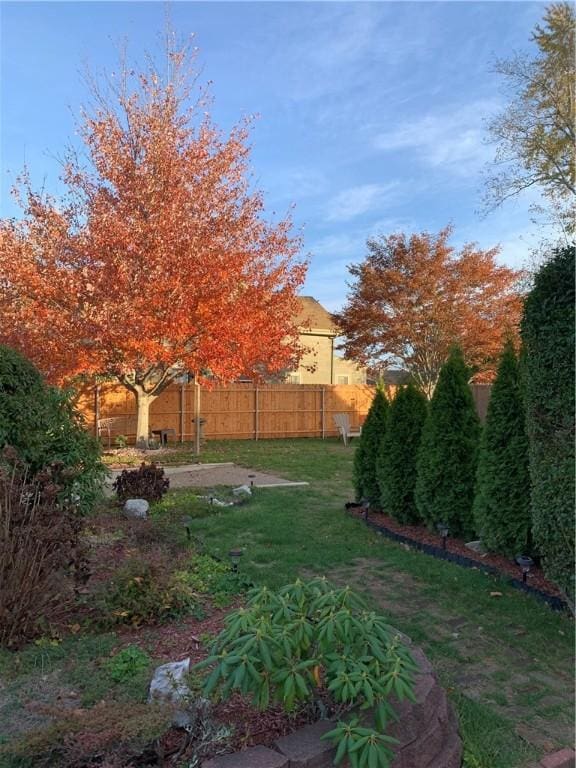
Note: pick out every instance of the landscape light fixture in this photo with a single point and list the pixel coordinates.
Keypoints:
(187, 523)
(235, 555)
(525, 563)
(365, 508)
(251, 478)
(443, 530)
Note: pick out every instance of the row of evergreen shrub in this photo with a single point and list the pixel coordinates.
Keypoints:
(510, 483)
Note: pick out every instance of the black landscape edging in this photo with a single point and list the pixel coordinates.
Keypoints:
(553, 601)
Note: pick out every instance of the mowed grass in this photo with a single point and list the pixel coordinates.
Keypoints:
(505, 658)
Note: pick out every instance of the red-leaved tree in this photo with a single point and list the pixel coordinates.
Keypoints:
(157, 260)
(414, 297)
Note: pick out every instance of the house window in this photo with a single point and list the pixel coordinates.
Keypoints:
(293, 378)
(342, 380)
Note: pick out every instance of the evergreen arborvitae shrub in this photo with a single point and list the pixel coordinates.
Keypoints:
(548, 367)
(368, 450)
(42, 425)
(502, 500)
(396, 468)
(447, 457)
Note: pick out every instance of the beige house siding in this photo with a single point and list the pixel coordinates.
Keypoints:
(319, 365)
(347, 372)
(318, 357)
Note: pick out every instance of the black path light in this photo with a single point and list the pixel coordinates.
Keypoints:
(443, 530)
(251, 478)
(234, 556)
(365, 508)
(525, 563)
(187, 523)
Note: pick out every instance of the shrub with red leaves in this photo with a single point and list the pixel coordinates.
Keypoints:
(41, 556)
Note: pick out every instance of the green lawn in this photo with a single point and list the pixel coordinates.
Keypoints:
(506, 660)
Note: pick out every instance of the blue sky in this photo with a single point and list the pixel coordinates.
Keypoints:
(371, 115)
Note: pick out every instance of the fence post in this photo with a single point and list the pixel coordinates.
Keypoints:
(182, 407)
(196, 416)
(256, 412)
(323, 406)
(96, 409)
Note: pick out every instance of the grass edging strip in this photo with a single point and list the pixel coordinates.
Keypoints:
(554, 602)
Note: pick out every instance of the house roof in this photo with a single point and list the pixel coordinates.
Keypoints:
(313, 315)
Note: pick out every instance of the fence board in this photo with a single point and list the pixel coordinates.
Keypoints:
(242, 411)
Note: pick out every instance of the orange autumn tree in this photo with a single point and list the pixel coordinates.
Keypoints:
(157, 260)
(414, 297)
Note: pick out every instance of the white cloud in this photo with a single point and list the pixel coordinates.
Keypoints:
(356, 201)
(451, 140)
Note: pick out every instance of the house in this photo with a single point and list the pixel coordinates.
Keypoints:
(320, 364)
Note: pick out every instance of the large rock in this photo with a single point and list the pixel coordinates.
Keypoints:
(242, 490)
(137, 508)
(169, 683)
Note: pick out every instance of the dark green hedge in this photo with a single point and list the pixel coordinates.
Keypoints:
(368, 449)
(502, 501)
(396, 469)
(42, 425)
(548, 361)
(448, 452)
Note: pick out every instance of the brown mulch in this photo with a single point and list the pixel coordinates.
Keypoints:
(177, 641)
(423, 535)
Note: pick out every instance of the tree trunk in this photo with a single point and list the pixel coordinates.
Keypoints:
(143, 402)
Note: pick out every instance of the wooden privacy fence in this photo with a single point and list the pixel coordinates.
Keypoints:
(237, 411)
(240, 411)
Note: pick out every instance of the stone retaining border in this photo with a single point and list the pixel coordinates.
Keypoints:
(427, 731)
(565, 758)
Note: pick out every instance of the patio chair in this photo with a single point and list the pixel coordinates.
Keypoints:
(342, 421)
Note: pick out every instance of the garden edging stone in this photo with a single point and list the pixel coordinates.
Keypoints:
(427, 732)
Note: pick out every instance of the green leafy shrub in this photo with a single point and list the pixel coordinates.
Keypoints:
(143, 592)
(447, 457)
(41, 556)
(120, 441)
(43, 426)
(128, 663)
(206, 576)
(502, 499)
(548, 339)
(287, 645)
(396, 468)
(368, 449)
(147, 482)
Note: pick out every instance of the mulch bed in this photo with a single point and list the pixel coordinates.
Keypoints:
(178, 641)
(422, 535)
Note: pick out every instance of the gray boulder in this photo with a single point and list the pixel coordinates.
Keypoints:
(137, 508)
(169, 683)
(242, 490)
